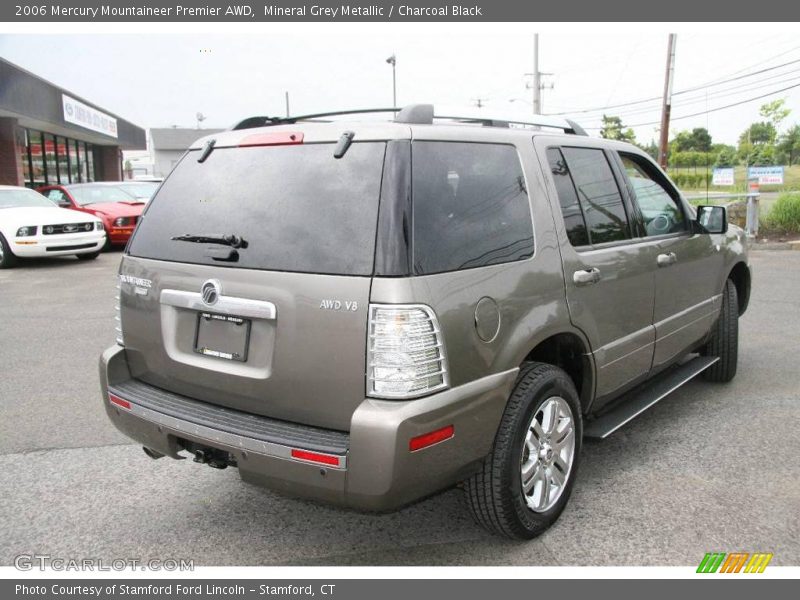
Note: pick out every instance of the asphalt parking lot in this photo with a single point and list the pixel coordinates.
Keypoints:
(710, 468)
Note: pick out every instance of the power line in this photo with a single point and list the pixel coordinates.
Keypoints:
(718, 108)
(686, 91)
(750, 87)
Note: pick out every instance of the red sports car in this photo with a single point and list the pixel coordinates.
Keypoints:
(118, 209)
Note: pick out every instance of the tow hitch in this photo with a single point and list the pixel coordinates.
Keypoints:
(215, 459)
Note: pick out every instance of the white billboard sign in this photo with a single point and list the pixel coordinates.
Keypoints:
(81, 114)
(722, 176)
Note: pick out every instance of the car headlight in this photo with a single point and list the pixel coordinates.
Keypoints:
(123, 222)
(26, 231)
(98, 226)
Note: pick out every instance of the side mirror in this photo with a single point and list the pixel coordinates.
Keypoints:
(65, 204)
(712, 219)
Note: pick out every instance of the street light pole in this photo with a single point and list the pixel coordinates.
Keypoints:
(392, 60)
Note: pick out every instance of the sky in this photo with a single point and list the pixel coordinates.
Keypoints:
(163, 79)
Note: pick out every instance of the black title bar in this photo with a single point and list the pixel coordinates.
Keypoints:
(762, 11)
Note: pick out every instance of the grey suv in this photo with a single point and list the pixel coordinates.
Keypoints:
(369, 312)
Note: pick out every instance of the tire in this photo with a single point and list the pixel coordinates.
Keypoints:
(7, 258)
(496, 495)
(724, 340)
(89, 256)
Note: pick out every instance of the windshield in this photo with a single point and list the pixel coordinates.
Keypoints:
(298, 208)
(140, 189)
(15, 198)
(99, 194)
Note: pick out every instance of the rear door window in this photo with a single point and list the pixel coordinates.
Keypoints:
(571, 210)
(470, 206)
(598, 194)
(299, 208)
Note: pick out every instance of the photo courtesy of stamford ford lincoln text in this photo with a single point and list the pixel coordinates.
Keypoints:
(426, 299)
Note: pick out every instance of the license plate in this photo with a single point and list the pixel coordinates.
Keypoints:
(222, 336)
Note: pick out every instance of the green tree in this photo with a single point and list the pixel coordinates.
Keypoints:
(753, 140)
(726, 157)
(651, 149)
(697, 140)
(789, 145)
(775, 112)
(613, 129)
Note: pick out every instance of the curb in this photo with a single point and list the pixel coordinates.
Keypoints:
(767, 246)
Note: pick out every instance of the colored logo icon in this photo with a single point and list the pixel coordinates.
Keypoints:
(734, 562)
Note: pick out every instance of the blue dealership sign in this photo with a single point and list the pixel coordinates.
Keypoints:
(766, 175)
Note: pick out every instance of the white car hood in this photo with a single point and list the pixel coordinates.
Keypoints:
(14, 218)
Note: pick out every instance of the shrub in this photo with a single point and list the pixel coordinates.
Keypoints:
(785, 213)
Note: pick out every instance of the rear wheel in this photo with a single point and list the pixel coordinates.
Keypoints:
(724, 341)
(527, 479)
(89, 256)
(7, 258)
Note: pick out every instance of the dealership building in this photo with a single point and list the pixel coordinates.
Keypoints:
(49, 135)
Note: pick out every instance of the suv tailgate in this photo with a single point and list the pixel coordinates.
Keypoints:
(286, 335)
(305, 365)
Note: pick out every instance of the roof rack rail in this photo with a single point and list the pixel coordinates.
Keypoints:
(424, 114)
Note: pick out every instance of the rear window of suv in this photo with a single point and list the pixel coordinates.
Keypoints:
(299, 208)
(471, 206)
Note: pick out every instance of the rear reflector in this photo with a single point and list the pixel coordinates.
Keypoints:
(272, 139)
(429, 439)
(119, 402)
(323, 459)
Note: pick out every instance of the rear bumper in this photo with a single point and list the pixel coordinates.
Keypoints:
(373, 470)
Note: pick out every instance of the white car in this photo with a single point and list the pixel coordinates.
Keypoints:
(33, 226)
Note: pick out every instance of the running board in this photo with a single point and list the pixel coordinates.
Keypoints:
(643, 398)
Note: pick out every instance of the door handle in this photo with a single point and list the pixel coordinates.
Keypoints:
(586, 277)
(665, 260)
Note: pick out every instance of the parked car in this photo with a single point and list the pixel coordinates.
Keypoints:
(367, 313)
(141, 190)
(118, 209)
(30, 226)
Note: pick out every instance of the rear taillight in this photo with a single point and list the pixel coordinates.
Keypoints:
(117, 317)
(406, 355)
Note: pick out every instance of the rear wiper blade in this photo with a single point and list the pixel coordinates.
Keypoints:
(234, 241)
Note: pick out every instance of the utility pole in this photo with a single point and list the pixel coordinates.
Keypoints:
(479, 102)
(536, 85)
(666, 107)
(286, 94)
